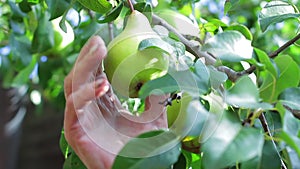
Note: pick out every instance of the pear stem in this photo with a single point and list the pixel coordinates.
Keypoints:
(130, 5)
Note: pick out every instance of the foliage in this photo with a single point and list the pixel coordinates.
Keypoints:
(245, 94)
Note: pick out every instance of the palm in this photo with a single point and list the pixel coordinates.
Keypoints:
(96, 125)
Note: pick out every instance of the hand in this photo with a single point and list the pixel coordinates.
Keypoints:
(96, 125)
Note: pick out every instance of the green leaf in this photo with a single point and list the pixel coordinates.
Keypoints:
(242, 29)
(290, 98)
(34, 1)
(291, 130)
(145, 7)
(229, 4)
(73, 162)
(56, 8)
(216, 77)
(43, 38)
(17, 27)
(229, 46)
(181, 163)
(178, 47)
(289, 76)
(202, 76)
(16, 11)
(25, 6)
(112, 15)
(262, 161)
(64, 146)
(166, 84)
(292, 141)
(274, 12)
(267, 89)
(99, 6)
(20, 48)
(62, 23)
(23, 76)
(154, 149)
(265, 59)
(210, 27)
(155, 43)
(245, 94)
(194, 83)
(197, 116)
(293, 160)
(190, 119)
(228, 142)
(196, 161)
(213, 25)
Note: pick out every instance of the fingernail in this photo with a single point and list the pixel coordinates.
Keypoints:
(93, 48)
(101, 87)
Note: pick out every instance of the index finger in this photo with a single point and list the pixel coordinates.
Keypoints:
(88, 62)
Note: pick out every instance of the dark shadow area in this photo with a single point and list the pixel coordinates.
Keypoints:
(28, 140)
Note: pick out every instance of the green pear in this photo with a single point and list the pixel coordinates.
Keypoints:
(187, 116)
(177, 111)
(126, 67)
(180, 22)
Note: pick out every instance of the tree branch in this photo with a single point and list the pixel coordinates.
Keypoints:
(273, 54)
(191, 47)
(285, 46)
(194, 48)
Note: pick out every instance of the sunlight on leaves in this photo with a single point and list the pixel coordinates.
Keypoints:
(229, 46)
(274, 12)
(229, 4)
(99, 6)
(245, 94)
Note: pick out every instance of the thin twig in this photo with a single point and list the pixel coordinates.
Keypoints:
(266, 128)
(285, 46)
(130, 5)
(110, 31)
(91, 14)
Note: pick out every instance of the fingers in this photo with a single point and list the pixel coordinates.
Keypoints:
(153, 107)
(88, 62)
(93, 41)
(76, 101)
(154, 111)
(87, 93)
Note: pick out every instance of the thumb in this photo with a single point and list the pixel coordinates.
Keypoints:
(155, 110)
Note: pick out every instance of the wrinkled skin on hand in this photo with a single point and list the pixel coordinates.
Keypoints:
(96, 126)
